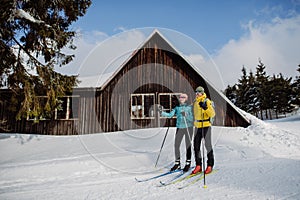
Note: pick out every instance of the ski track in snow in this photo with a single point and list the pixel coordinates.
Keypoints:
(259, 162)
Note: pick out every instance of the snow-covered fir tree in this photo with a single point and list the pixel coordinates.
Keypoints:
(281, 92)
(252, 95)
(262, 95)
(242, 90)
(261, 81)
(231, 93)
(296, 89)
(33, 34)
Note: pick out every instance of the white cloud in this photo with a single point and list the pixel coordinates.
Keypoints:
(277, 43)
(120, 28)
(109, 54)
(85, 42)
(98, 54)
(207, 69)
(196, 59)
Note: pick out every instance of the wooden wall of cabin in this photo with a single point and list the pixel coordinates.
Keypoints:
(156, 71)
(155, 68)
(149, 71)
(153, 71)
(6, 115)
(9, 124)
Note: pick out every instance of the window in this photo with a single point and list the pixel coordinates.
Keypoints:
(168, 101)
(142, 106)
(61, 111)
(68, 108)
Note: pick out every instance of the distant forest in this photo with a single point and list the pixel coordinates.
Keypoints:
(264, 96)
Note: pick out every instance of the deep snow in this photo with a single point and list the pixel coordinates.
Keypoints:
(258, 162)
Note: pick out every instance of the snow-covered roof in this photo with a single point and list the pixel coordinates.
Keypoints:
(92, 81)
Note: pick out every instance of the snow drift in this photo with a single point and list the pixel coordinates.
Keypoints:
(258, 162)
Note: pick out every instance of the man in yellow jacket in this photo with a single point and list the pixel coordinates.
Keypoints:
(203, 111)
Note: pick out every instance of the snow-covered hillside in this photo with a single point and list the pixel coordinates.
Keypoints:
(259, 162)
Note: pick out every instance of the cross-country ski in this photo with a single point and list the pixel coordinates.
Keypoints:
(179, 179)
(158, 176)
(197, 179)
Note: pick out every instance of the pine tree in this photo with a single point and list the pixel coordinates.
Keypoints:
(274, 93)
(244, 94)
(261, 93)
(263, 97)
(231, 93)
(280, 91)
(252, 95)
(242, 87)
(288, 94)
(33, 34)
(296, 89)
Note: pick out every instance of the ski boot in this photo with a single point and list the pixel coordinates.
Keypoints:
(187, 166)
(197, 169)
(176, 166)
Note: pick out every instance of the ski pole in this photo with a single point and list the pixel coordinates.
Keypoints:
(162, 145)
(203, 143)
(188, 131)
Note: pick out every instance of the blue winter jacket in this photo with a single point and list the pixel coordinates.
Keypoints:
(180, 123)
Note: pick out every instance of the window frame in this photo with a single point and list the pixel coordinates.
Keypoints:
(170, 101)
(142, 106)
(67, 111)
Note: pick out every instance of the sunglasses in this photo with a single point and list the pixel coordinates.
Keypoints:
(197, 92)
(182, 97)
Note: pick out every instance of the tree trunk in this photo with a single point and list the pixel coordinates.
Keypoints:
(270, 114)
(267, 116)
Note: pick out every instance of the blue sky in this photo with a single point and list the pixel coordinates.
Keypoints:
(235, 33)
(211, 23)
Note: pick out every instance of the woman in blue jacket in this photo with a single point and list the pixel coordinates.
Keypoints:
(184, 124)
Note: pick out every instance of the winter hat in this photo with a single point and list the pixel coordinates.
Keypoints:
(200, 89)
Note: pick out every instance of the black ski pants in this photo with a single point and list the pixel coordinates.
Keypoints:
(197, 146)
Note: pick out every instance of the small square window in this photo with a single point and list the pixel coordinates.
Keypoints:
(142, 106)
(169, 101)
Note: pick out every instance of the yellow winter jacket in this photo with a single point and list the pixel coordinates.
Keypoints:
(202, 116)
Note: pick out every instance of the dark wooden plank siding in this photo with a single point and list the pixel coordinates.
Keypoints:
(155, 68)
(170, 73)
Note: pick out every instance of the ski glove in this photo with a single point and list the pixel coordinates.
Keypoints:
(203, 105)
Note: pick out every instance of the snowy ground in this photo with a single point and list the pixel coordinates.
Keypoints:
(259, 162)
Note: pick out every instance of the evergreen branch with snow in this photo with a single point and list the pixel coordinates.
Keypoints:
(33, 36)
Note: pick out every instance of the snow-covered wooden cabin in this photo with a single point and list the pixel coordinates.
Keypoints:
(155, 74)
